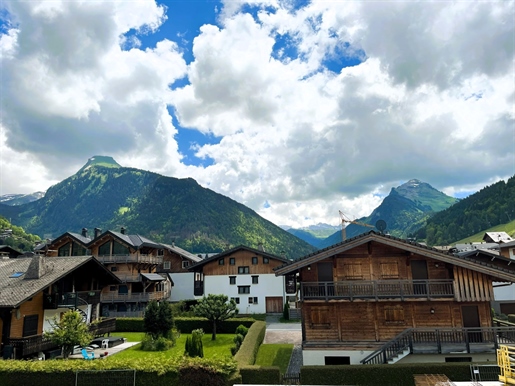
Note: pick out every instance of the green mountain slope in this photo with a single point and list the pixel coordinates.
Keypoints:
(16, 237)
(491, 206)
(162, 208)
(509, 228)
(404, 210)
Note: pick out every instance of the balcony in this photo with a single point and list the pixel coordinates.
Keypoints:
(377, 290)
(443, 341)
(132, 258)
(70, 299)
(143, 297)
(128, 278)
(33, 344)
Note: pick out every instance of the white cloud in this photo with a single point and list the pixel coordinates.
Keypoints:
(433, 100)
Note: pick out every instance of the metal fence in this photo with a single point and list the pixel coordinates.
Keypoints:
(484, 372)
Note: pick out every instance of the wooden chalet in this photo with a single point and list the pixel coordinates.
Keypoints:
(244, 274)
(35, 290)
(176, 262)
(376, 299)
(132, 258)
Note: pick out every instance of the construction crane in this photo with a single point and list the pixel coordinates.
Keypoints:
(346, 220)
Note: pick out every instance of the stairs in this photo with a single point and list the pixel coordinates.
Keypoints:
(294, 313)
(399, 356)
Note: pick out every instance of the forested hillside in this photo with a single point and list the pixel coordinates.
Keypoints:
(104, 195)
(492, 205)
(17, 238)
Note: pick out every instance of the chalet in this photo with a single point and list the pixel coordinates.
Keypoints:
(132, 258)
(35, 290)
(9, 252)
(377, 299)
(176, 262)
(497, 237)
(244, 274)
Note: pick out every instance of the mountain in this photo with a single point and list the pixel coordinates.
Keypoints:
(19, 199)
(15, 237)
(405, 210)
(106, 195)
(313, 234)
(491, 206)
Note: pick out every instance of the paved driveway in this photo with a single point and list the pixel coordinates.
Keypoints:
(277, 332)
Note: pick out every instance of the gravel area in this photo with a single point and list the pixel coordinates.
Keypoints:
(295, 360)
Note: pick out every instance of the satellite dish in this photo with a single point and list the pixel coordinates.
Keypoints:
(381, 225)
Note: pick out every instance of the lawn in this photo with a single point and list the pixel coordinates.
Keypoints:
(274, 355)
(221, 347)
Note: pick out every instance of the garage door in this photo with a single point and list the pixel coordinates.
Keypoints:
(274, 304)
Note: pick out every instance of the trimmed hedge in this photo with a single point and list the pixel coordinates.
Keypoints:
(158, 372)
(246, 355)
(511, 318)
(186, 325)
(390, 375)
(260, 375)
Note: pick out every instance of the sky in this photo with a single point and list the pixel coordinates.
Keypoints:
(295, 108)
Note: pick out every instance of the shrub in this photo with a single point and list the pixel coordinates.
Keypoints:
(149, 343)
(286, 311)
(260, 375)
(246, 355)
(511, 318)
(186, 324)
(242, 330)
(193, 346)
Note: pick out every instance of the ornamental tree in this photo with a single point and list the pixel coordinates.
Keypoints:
(71, 330)
(215, 308)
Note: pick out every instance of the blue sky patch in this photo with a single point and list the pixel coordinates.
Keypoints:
(285, 48)
(343, 56)
(188, 140)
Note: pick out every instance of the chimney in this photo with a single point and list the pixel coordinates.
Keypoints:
(37, 268)
(85, 232)
(261, 247)
(122, 230)
(97, 232)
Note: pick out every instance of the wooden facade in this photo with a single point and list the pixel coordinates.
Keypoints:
(369, 290)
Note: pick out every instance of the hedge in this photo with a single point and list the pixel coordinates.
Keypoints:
(260, 375)
(246, 355)
(186, 325)
(390, 375)
(158, 372)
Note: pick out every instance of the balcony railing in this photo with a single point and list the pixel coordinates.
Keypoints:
(132, 258)
(33, 344)
(127, 277)
(143, 297)
(378, 289)
(443, 341)
(70, 299)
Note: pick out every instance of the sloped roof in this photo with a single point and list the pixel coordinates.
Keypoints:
(135, 241)
(507, 244)
(497, 237)
(15, 290)
(474, 260)
(182, 252)
(231, 251)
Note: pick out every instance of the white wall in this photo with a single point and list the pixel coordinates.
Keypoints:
(504, 293)
(49, 315)
(316, 357)
(183, 284)
(269, 285)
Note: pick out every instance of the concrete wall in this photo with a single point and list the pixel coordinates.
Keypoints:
(182, 286)
(317, 357)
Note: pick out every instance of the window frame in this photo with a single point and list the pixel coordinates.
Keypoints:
(232, 261)
(243, 289)
(232, 280)
(243, 270)
(255, 279)
(254, 260)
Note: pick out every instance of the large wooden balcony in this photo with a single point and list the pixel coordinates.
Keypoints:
(131, 258)
(140, 297)
(29, 345)
(377, 290)
(70, 299)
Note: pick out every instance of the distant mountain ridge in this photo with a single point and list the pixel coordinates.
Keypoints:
(19, 199)
(106, 195)
(404, 210)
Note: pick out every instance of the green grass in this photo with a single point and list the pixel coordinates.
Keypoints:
(274, 355)
(509, 228)
(221, 347)
(261, 317)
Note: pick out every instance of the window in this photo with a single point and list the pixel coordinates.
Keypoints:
(243, 269)
(221, 262)
(253, 300)
(64, 250)
(167, 264)
(78, 250)
(160, 252)
(17, 274)
(394, 315)
(255, 279)
(114, 269)
(105, 249)
(266, 260)
(30, 325)
(232, 279)
(244, 289)
(185, 264)
(237, 300)
(352, 271)
(337, 360)
(320, 318)
(232, 261)
(119, 249)
(254, 260)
